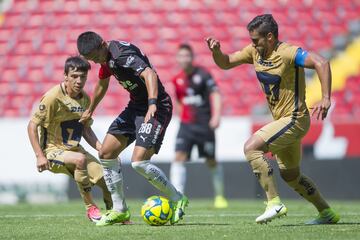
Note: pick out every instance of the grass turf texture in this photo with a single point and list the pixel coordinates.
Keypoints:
(67, 221)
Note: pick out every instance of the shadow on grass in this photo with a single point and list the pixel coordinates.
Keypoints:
(333, 225)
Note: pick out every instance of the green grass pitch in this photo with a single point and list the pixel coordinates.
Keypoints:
(67, 221)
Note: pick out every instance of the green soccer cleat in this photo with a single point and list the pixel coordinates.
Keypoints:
(220, 202)
(111, 217)
(327, 216)
(179, 209)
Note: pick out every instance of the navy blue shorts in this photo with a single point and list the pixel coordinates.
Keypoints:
(130, 123)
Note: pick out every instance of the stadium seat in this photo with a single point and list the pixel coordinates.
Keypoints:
(37, 36)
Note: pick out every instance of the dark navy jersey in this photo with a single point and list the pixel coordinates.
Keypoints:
(193, 92)
(126, 62)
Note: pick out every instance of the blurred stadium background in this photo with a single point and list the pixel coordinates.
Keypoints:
(36, 36)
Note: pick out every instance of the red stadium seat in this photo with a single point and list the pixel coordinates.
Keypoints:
(37, 36)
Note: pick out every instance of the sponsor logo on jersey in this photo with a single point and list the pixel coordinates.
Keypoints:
(265, 63)
(77, 109)
(195, 100)
(128, 85)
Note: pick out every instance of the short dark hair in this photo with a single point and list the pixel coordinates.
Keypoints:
(187, 47)
(78, 63)
(264, 24)
(88, 41)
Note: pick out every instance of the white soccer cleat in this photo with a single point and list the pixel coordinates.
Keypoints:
(272, 212)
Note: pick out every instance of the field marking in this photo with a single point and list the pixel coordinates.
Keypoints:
(190, 215)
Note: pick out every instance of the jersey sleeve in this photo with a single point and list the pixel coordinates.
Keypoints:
(104, 71)
(45, 111)
(300, 57)
(245, 55)
(289, 54)
(211, 85)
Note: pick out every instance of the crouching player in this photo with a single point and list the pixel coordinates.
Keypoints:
(58, 149)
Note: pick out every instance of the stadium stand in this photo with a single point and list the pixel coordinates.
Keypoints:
(37, 36)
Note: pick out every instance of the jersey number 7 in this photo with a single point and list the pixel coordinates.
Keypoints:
(71, 132)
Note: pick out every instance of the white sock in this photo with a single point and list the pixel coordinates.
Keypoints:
(178, 175)
(217, 173)
(157, 178)
(114, 182)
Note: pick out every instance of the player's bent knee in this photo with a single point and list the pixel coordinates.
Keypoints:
(247, 147)
(255, 143)
(250, 146)
(95, 172)
(80, 162)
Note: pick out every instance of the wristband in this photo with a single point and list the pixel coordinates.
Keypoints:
(152, 101)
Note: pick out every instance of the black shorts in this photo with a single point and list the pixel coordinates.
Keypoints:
(201, 136)
(130, 123)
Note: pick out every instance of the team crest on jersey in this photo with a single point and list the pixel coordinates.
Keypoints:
(42, 107)
(129, 60)
(197, 79)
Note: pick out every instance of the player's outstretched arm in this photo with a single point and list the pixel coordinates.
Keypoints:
(99, 93)
(42, 163)
(91, 138)
(224, 61)
(215, 109)
(322, 68)
(151, 81)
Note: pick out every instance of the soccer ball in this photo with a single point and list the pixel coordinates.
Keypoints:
(156, 210)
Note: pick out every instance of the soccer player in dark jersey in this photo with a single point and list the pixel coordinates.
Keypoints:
(279, 68)
(199, 108)
(144, 120)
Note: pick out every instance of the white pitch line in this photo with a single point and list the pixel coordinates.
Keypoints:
(190, 215)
